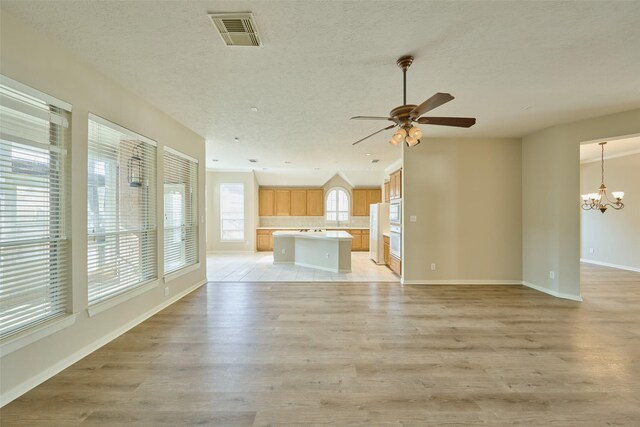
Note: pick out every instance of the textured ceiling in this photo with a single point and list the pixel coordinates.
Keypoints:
(517, 66)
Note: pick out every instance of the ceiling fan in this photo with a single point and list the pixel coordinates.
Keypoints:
(404, 115)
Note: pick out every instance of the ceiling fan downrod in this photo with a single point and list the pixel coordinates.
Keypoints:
(404, 63)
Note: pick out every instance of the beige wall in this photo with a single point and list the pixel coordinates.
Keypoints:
(614, 235)
(214, 179)
(33, 60)
(550, 194)
(465, 194)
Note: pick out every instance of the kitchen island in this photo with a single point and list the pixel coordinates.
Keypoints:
(324, 250)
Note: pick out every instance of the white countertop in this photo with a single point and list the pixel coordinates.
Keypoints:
(311, 228)
(326, 235)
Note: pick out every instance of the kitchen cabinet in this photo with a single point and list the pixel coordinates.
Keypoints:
(315, 202)
(266, 202)
(395, 185)
(386, 250)
(395, 265)
(362, 198)
(364, 240)
(283, 203)
(360, 206)
(298, 202)
(263, 240)
(387, 196)
(291, 202)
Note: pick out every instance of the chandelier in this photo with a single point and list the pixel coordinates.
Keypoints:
(600, 200)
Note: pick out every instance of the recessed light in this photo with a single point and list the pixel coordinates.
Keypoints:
(528, 107)
(254, 109)
(236, 139)
(253, 160)
(368, 154)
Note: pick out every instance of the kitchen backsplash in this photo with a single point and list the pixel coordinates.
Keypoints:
(311, 221)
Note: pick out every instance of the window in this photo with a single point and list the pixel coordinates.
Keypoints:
(180, 210)
(232, 212)
(122, 235)
(34, 218)
(337, 205)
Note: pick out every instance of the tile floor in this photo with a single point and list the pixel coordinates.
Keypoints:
(259, 267)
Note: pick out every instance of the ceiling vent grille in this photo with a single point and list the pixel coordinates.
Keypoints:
(236, 29)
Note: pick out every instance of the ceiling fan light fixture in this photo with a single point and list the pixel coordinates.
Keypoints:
(393, 141)
(413, 144)
(411, 141)
(415, 132)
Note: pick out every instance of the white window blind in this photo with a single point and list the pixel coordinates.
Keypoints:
(34, 216)
(180, 210)
(337, 205)
(122, 234)
(231, 212)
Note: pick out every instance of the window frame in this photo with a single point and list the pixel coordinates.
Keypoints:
(148, 231)
(190, 204)
(338, 210)
(55, 229)
(222, 217)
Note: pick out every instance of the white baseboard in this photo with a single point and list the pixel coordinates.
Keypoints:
(17, 391)
(607, 264)
(461, 282)
(552, 292)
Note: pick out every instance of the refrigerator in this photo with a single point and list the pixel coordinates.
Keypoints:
(378, 226)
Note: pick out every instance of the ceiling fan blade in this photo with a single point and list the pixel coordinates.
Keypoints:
(435, 101)
(461, 122)
(370, 118)
(377, 132)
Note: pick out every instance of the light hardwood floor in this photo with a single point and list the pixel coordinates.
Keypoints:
(362, 354)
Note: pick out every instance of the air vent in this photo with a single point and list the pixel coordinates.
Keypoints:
(253, 160)
(236, 29)
(375, 160)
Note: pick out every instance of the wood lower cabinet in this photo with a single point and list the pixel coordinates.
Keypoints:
(263, 240)
(360, 242)
(298, 202)
(395, 265)
(387, 250)
(315, 202)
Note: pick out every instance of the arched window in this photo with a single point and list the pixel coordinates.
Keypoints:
(337, 205)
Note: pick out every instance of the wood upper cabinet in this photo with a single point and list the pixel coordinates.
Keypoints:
(387, 196)
(291, 201)
(266, 202)
(283, 203)
(362, 198)
(315, 202)
(298, 202)
(395, 185)
(374, 196)
(360, 206)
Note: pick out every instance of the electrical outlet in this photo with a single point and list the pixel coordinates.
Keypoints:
(284, 251)
(166, 291)
(552, 275)
(413, 218)
(591, 250)
(327, 255)
(433, 267)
